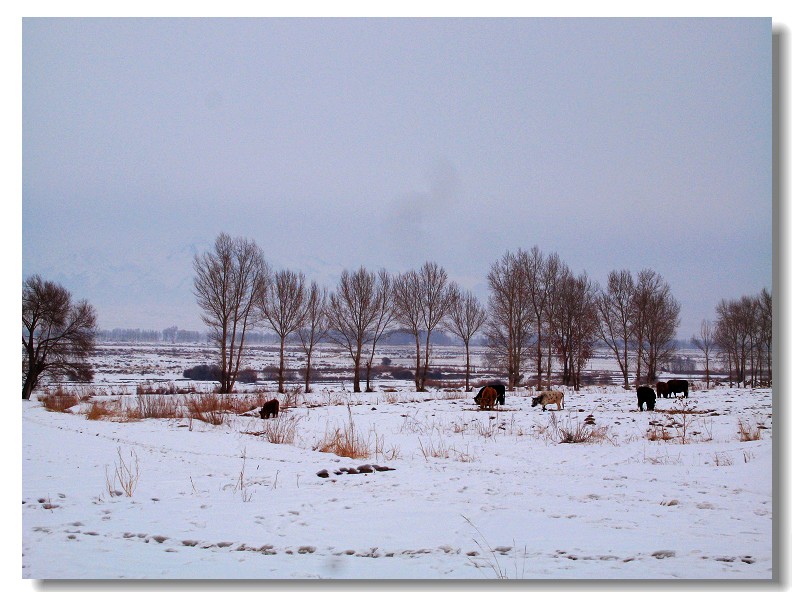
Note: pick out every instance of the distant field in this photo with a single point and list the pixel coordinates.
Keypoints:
(124, 364)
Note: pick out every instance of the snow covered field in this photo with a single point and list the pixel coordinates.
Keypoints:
(673, 493)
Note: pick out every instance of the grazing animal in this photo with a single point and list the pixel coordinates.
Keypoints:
(499, 388)
(488, 398)
(646, 395)
(548, 398)
(678, 386)
(662, 390)
(270, 408)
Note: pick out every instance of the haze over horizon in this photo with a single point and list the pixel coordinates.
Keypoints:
(335, 143)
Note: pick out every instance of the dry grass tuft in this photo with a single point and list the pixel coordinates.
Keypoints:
(657, 432)
(156, 407)
(345, 441)
(281, 429)
(103, 410)
(747, 431)
(59, 400)
(574, 431)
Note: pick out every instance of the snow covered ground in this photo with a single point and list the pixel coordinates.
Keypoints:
(473, 494)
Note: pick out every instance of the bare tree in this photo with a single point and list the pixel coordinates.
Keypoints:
(508, 328)
(655, 320)
(615, 325)
(705, 341)
(228, 282)
(662, 321)
(314, 327)
(58, 336)
(541, 274)
(585, 327)
(466, 316)
(728, 337)
(384, 319)
(766, 330)
(576, 325)
(743, 331)
(352, 313)
(554, 270)
(407, 311)
(283, 306)
(421, 301)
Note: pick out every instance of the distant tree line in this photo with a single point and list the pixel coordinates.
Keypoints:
(168, 335)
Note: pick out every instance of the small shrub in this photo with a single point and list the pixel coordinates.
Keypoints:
(657, 432)
(747, 431)
(203, 372)
(291, 398)
(391, 396)
(281, 429)
(574, 431)
(247, 375)
(431, 450)
(208, 407)
(126, 475)
(401, 373)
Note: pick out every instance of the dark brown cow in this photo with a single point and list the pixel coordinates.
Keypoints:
(270, 408)
(678, 386)
(646, 395)
(662, 390)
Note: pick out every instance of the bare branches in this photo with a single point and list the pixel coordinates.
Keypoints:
(422, 300)
(283, 305)
(227, 284)
(351, 314)
(57, 336)
(705, 341)
(509, 327)
(314, 327)
(744, 334)
(465, 318)
(615, 326)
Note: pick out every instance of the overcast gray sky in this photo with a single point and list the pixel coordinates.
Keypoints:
(335, 143)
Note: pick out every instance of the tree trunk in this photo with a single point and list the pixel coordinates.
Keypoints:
(282, 367)
(417, 362)
(368, 376)
(308, 371)
(539, 357)
(356, 385)
(29, 385)
(426, 364)
(467, 366)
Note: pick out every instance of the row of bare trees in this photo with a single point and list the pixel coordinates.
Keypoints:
(743, 338)
(538, 312)
(236, 290)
